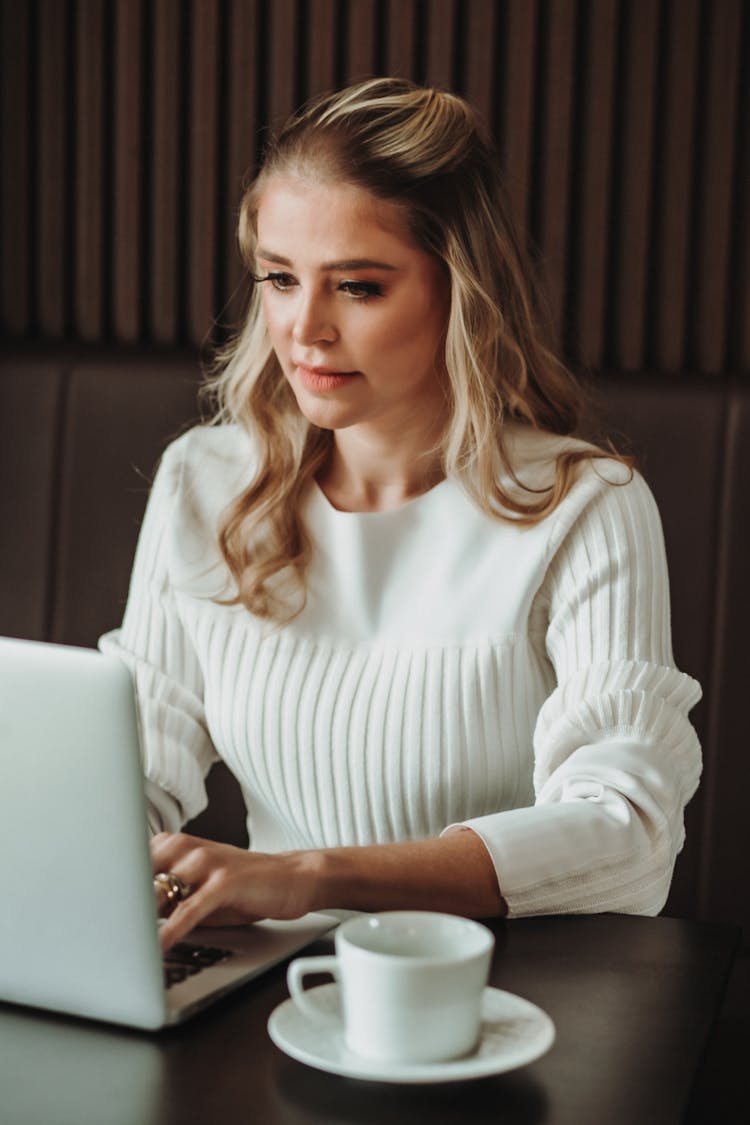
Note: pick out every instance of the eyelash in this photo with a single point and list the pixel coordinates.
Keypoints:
(280, 281)
(284, 282)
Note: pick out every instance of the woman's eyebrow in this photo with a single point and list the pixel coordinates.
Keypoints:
(269, 256)
(359, 264)
(349, 264)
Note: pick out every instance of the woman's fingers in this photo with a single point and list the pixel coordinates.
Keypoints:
(169, 848)
(171, 856)
(187, 867)
(227, 885)
(202, 908)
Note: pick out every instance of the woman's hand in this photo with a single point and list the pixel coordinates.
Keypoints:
(230, 886)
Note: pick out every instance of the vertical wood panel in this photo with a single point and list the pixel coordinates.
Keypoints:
(242, 139)
(677, 145)
(441, 16)
(282, 47)
(321, 46)
(634, 219)
(716, 197)
(555, 163)
(740, 330)
(519, 100)
(479, 56)
(592, 212)
(88, 258)
(14, 154)
(165, 186)
(361, 40)
(400, 37)
(52, 169)
(128, 155)
(127, 128)
(204, 156)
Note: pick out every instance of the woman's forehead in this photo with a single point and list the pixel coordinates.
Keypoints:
(291, 206)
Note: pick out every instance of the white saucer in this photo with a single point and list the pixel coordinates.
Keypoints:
(514, 1032)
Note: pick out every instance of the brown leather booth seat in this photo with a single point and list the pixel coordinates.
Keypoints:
(79, 440)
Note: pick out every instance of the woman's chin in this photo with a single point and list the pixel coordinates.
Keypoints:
(326, 413)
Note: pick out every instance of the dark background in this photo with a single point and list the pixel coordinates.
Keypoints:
(128, 126)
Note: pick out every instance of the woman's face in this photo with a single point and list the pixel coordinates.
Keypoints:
(356, 312)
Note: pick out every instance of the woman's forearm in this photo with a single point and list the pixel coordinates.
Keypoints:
(453, 873)
(229, 886)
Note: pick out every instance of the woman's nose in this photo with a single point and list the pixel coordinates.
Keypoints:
(313, 322)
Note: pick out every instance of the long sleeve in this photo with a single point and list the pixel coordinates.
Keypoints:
(154, 644)
(615, 758)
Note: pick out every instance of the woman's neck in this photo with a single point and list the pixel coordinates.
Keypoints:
(368, 476)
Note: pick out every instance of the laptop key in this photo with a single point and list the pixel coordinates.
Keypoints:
(174, 975)
(184, 953)
(185, 960)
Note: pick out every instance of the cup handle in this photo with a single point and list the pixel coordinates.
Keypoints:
(302, 967)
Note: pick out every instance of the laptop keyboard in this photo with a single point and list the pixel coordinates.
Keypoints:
(186, 960)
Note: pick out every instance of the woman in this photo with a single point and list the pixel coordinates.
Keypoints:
(425, 626)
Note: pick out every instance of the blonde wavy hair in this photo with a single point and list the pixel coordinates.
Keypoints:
(425, 151)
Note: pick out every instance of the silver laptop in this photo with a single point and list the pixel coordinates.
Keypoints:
(78, 925)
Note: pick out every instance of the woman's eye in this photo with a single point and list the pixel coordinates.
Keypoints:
(361, 290)
(280, 281)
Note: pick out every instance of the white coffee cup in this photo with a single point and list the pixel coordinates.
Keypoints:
(411, 984)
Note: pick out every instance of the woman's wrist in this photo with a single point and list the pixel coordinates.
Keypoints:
(453, 873)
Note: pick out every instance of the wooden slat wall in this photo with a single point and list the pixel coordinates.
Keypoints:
(88, 123)
(128, 127)
(50, 187)
(673, 220)
(165, 183)
(587, 288)
(15, 208)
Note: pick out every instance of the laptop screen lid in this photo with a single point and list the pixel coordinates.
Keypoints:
(78, 925)
(75, 876)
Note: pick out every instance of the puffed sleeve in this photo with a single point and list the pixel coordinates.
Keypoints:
(616, 759)
(154, 644)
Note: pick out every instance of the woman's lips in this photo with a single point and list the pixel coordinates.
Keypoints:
(323, 379)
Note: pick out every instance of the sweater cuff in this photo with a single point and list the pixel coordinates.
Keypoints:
(162, 810)
(575, 857)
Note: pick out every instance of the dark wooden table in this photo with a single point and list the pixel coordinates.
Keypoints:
(633, 1001)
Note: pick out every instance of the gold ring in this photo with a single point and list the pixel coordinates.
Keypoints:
(175, 889)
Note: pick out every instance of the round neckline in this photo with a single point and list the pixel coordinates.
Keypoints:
(407, 506)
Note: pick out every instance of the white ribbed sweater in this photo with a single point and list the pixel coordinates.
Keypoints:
(447, 668)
